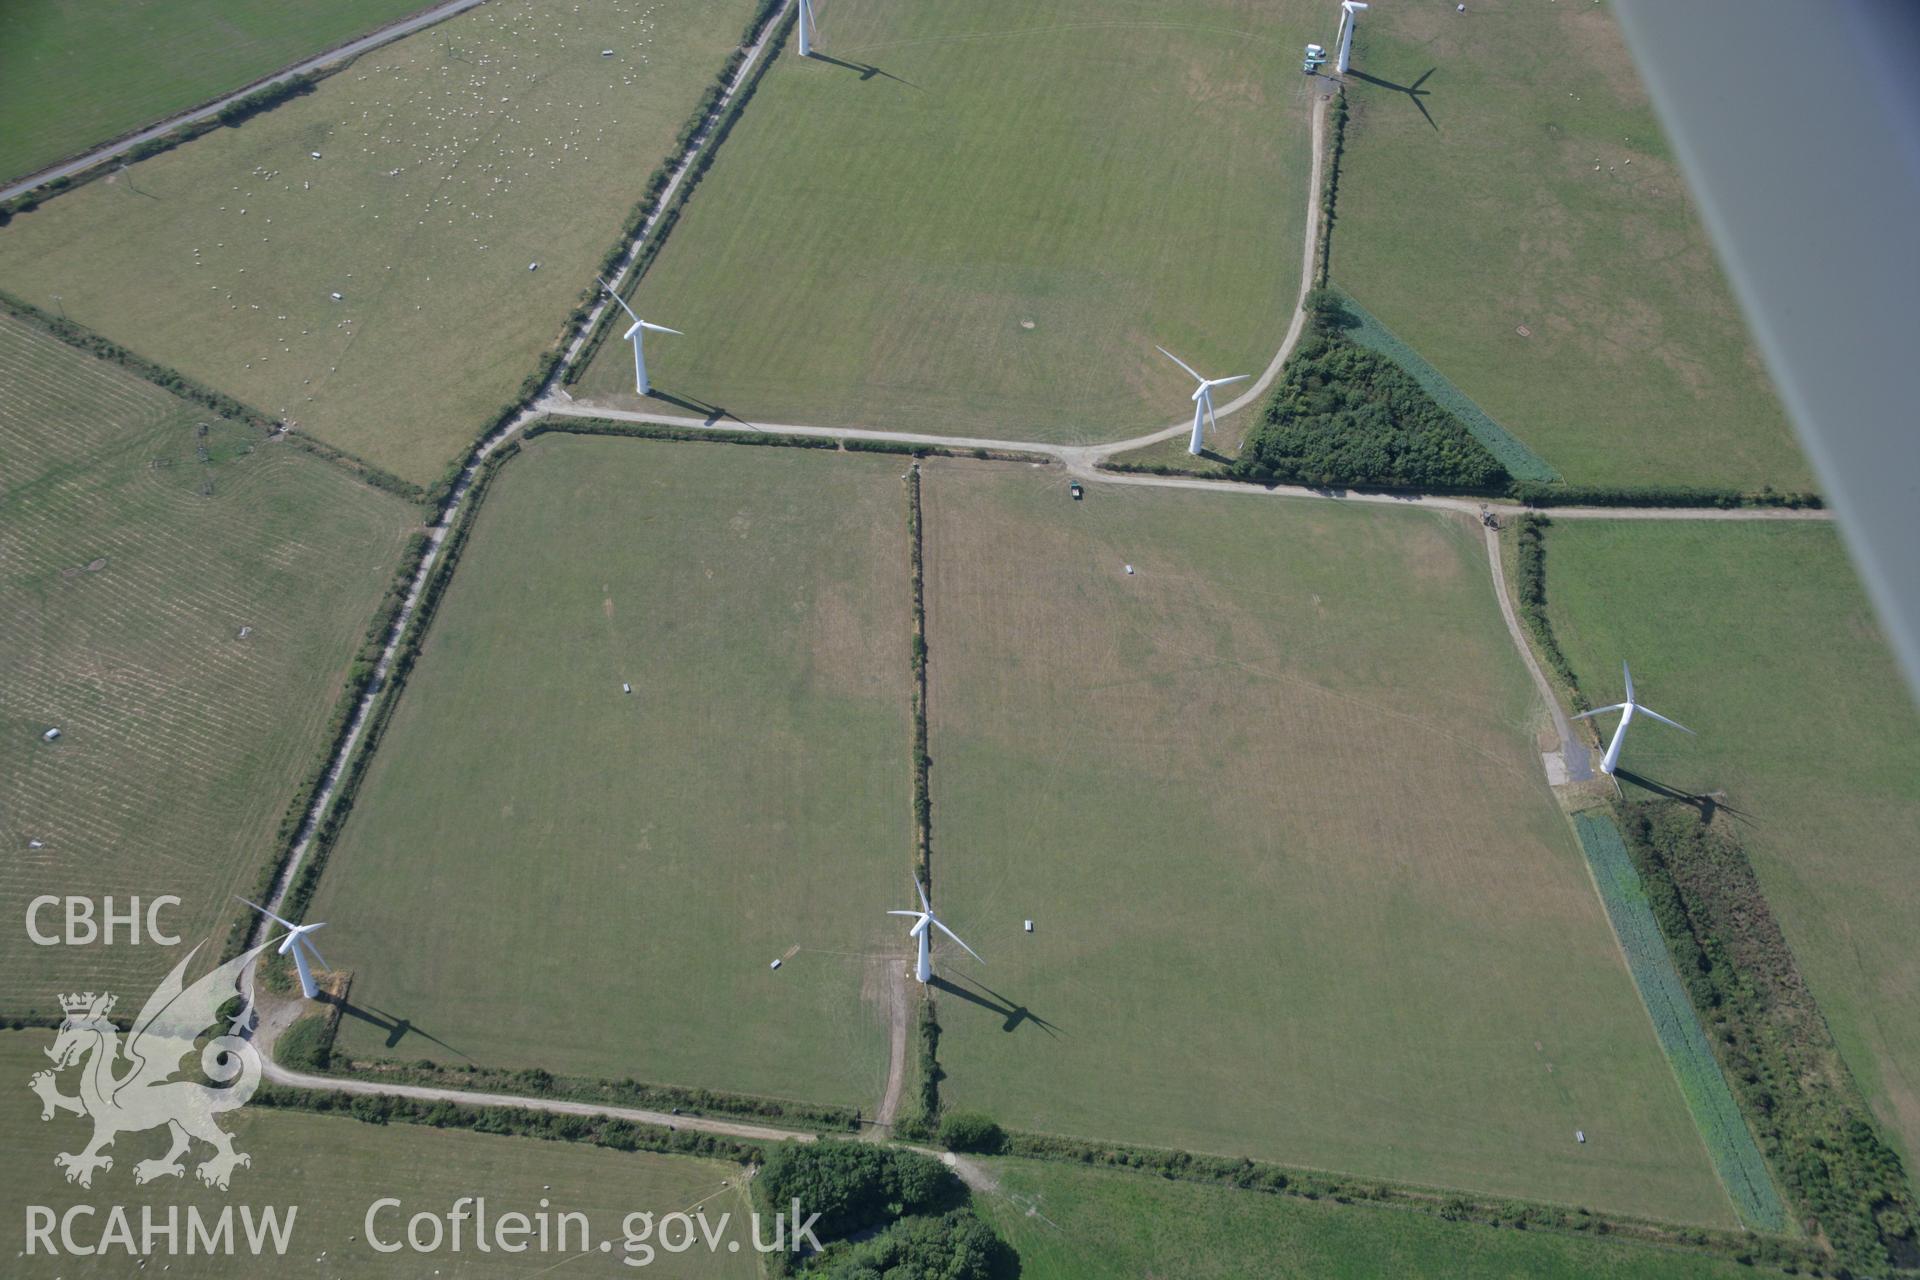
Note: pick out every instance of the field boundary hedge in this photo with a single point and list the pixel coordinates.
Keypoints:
(1530, 566)
(1538, 497)
(1330, 194)
(803, 1117)
(1522, 463)
(359, 680)
(236, 113)
(1770, 1037)
(557, 424)
(921, 761)
(529, 1122)
(1730, 1144)
(328, 825)
(1309, 1184)
(717, 129)
(178, 384)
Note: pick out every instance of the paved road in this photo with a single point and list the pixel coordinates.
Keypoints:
(352, 49)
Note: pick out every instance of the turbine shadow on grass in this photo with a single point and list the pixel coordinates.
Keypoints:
(693, 404)
(867, 70)
(994, 1002)
(1707, 803)
(1413, 91)
(397, 1028)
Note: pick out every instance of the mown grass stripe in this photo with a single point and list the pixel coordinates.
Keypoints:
(1736, 1157)
(1521, 462)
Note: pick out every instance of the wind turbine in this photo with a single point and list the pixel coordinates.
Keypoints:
(299, 944)
(1626, 710)
(1202, 398)
(634, 334)
(1348, 8)
(806, 28)
(923, 969)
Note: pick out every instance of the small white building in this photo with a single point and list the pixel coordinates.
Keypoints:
(51, 735)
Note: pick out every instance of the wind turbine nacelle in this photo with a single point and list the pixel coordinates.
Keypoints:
(631, 330)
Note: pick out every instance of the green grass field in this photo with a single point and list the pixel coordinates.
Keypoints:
(71, 76)
(1088, 1224)
(332, 1168)
(449, 162)
(542, 871)
(979, 219)
(129, 563)
(1494, 218)
(1759, 638)
(1298, 886)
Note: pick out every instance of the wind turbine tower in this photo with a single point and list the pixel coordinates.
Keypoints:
(806, 28)
(1202, 398)
(1348, 10)
(924, 917)
(636, 333)
(299, 944)
(1626, 710)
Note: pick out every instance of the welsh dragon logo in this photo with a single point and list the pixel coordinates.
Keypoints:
(127, 1088)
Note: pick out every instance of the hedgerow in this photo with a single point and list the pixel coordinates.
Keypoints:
(1252, 1175)
(628, 1092)
(649, 203)
(601, 1131)
(1770, 1037)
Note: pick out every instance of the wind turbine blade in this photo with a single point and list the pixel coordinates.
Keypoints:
(658, 328)
(1600, 711)
(906, 913)
(1648, 711)
(308, 944)
(1213, 423)
(1221, 382)
(1628, 675)
(921, 889)
(812, 21)
(263, 911)
(1177, 360)
(956, 937)
(617, 298)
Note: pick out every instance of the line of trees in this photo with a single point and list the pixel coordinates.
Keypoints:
(1778, 1055)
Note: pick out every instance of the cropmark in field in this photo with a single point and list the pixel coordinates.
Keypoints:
(180, 599)
(980, 219)
(1263, 776)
